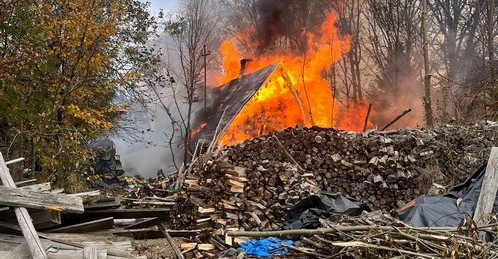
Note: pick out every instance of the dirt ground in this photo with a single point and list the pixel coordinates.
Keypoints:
(154, 248)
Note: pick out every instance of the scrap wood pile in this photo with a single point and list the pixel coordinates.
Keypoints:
(252, 185)
(139, 192)
(80, 225)
(377, 235)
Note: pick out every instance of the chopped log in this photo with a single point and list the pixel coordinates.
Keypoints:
(90, 226)
(188, 246)
(489, 188)
(37, 200)
(25, 222)
(206, 247)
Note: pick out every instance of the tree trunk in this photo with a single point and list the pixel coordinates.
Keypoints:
(491, 46)
(427, 76)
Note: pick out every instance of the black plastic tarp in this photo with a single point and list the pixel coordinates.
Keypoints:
(307, 212)
(105, 155)
(448, 210)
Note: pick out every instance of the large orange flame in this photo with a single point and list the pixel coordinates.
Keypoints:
(298, 91)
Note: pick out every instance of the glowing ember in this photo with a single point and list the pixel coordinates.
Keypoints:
(294, 94)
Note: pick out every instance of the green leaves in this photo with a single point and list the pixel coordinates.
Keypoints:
(61, 64)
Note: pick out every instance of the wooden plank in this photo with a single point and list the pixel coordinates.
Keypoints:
(39, 200)
(90, 252)
(41, 218)
(67, 254)
(146, 223)
(95, 225)
(489, 188)
(9, 228)
(22, 251)
(40, 187)
(83, 194)
(128, 213)
(25, 182)
(25, 222)
(102, 254)
(102, 205)
(46, 219)
(144, 233)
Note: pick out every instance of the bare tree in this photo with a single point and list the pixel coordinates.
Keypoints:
(350, 69)
(392, 37)
(190, 31)
(455, 45)
(427, 76)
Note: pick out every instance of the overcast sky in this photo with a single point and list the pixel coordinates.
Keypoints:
(166, 5)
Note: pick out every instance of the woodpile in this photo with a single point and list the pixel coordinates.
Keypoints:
(251, 185)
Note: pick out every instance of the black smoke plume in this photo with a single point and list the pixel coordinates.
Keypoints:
(272, 21)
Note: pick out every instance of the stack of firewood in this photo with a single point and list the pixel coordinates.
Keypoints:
(251, 185)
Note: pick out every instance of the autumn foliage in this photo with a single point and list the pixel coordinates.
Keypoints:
(61, 64)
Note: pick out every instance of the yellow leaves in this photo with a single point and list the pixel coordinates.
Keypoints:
(94, 118)
(80, 31)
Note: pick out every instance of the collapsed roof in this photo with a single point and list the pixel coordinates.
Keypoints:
(234, 95)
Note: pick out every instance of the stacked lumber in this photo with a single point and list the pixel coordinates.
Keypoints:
(252, 184)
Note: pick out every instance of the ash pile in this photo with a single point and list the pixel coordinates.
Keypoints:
(252, 185)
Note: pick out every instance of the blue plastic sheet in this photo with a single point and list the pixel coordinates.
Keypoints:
(262, 247)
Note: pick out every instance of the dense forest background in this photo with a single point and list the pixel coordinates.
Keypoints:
(71, 70)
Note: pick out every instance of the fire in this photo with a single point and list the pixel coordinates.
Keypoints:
(298, 91)
(195, 131)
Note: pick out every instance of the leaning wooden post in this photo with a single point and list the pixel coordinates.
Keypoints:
(397, 118)
(366, 117)
(22, 215)
(489, 188)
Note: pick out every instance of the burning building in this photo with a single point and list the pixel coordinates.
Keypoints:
(277, 90)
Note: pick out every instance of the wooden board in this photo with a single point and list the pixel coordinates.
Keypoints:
(90, 226)
(41, 187)
(37, 200)
(25, 222)
(122, 213)
(41, 218)
(489, 188)
(146, 223)
(102, 205)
